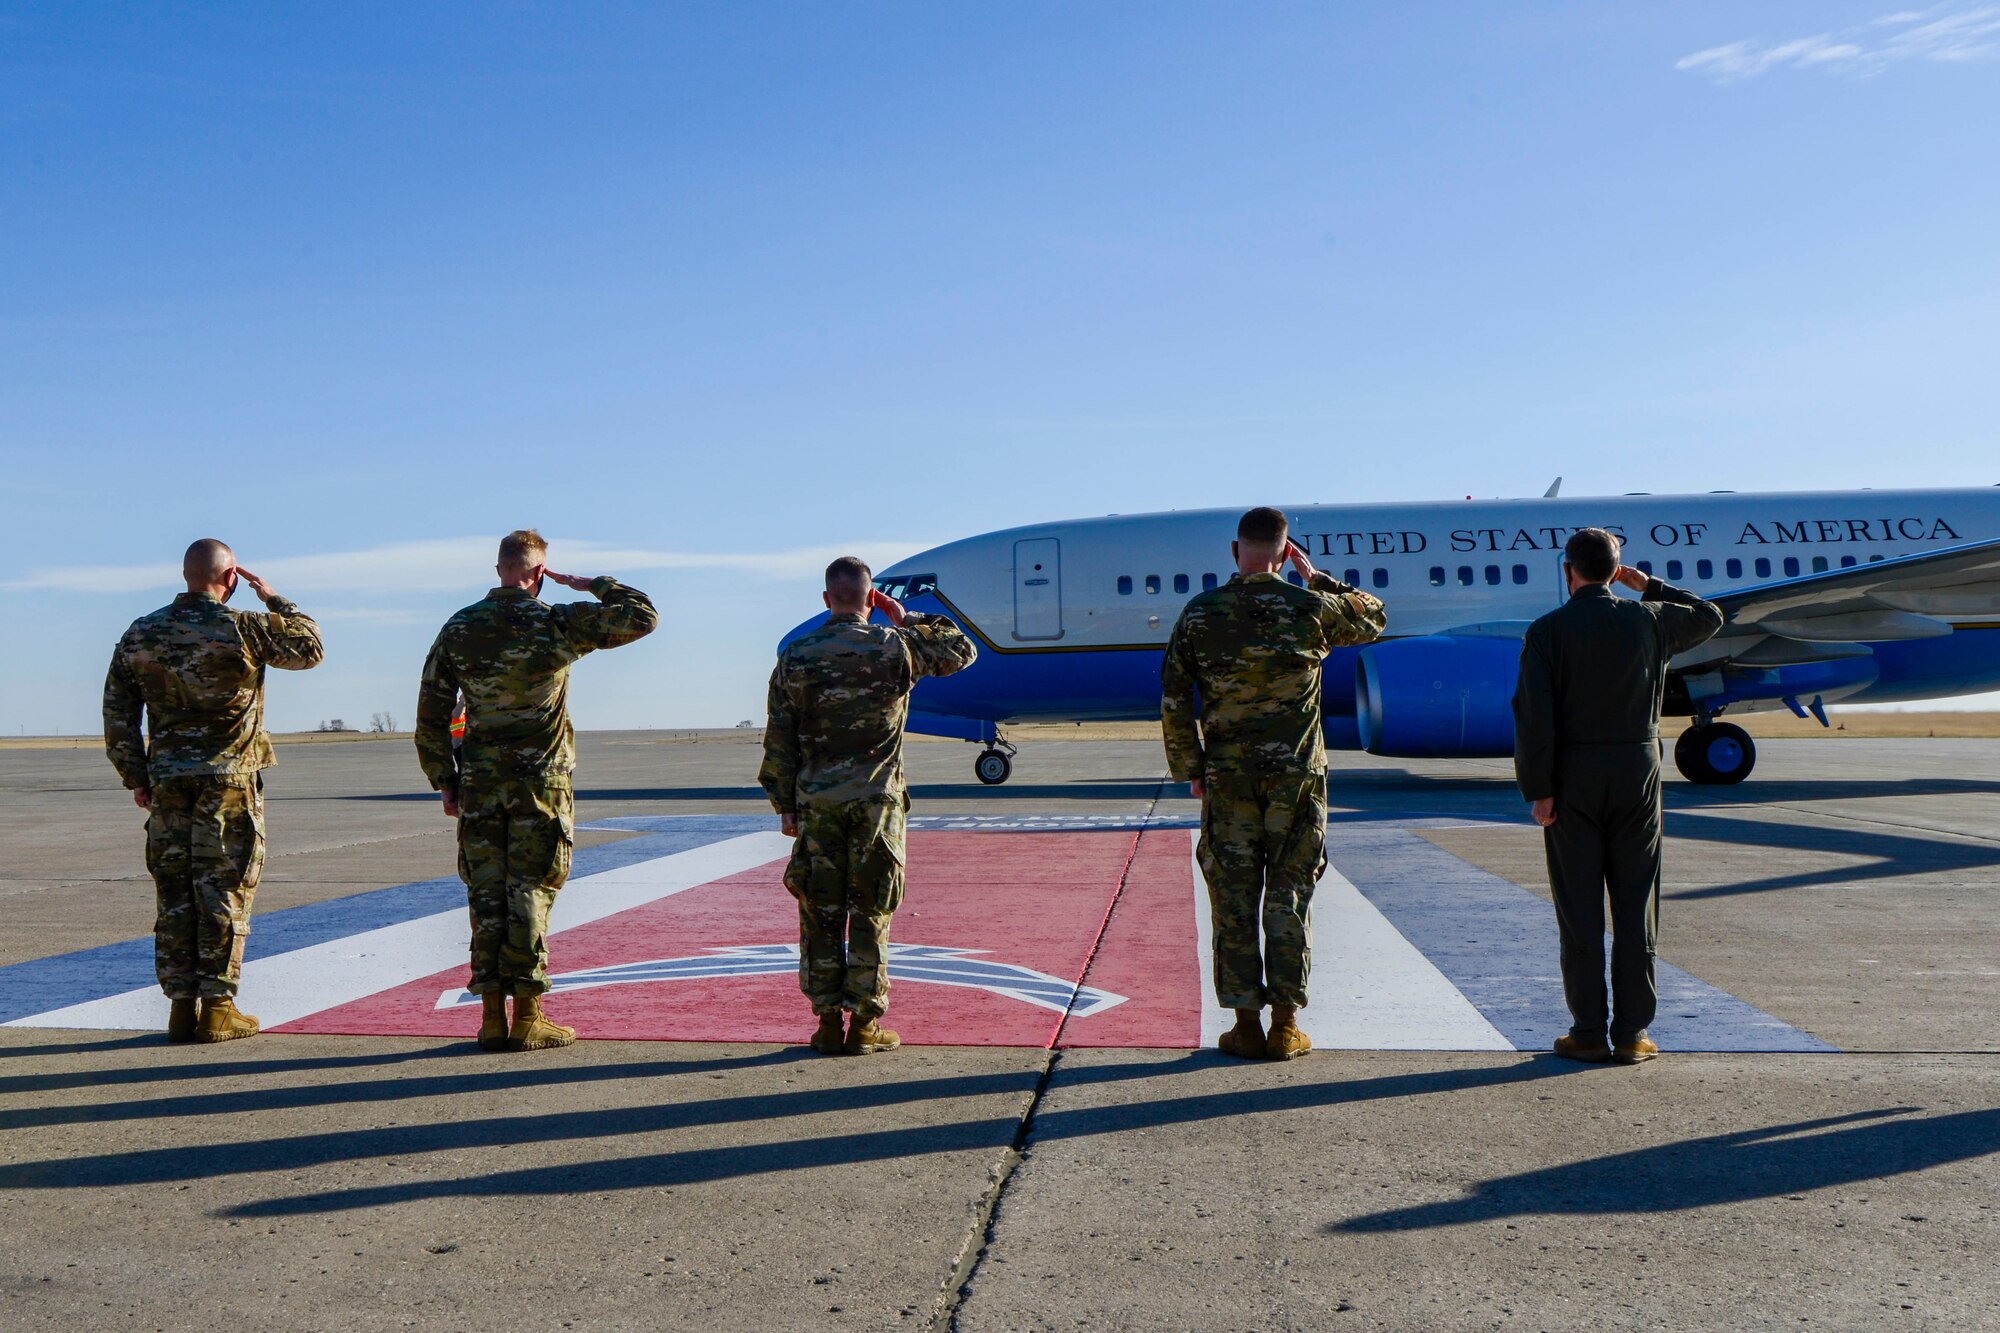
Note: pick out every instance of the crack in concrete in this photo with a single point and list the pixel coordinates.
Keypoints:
(985, 1216)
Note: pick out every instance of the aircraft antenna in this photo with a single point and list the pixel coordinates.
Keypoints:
(1555, 488)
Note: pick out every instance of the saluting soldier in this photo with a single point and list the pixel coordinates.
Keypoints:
(1240, 706)
(511, 787)
(833, 768)
(1587, 754)
(195, 672)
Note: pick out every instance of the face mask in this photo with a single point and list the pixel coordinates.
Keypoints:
(235, 582)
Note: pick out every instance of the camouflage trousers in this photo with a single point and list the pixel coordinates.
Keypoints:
(847, 874)
(205, 848)
(515, 839)
(1262, 850)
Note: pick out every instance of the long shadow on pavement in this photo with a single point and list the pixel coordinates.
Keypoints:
(54, 1048)
(1770, 1162)
(1892, 855)
(504, 1136)
(194, 1066)
(299, 1096)
(1721, 1168)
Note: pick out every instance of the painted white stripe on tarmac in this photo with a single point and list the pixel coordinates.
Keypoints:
(1371, 989)
(289, 986)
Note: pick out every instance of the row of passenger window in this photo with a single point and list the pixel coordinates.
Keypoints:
(1732, 568)
(1379, 578)
(1466, 575)
(1469, 575)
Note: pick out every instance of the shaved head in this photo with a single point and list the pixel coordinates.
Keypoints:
(1260, 540)
(848, 581)
(1264, 528)
(206, 562)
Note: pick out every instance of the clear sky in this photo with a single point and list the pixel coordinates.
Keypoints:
(708, 292)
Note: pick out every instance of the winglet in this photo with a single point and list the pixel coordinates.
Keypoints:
(1555, 488)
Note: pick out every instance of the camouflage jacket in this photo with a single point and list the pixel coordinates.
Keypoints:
(1240, 684)
(510, 654)
(839, 698)
(195, 670)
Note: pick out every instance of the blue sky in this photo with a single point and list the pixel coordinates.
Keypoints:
(715, 290)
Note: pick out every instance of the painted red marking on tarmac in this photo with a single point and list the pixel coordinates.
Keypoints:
(1149, 953)
(1030, 899)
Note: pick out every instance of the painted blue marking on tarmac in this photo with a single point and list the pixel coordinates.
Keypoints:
(1497, 943)
(53, 983)
(731, 826)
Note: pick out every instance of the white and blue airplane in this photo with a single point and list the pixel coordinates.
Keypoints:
(1835, 596)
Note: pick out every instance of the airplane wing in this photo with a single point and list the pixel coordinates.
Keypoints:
(1824, 617)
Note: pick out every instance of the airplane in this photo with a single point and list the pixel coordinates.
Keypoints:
(1836, 596)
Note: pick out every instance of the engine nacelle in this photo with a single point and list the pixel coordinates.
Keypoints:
(1437, 696)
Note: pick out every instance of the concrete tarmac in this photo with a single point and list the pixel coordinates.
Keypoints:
(362, 1183)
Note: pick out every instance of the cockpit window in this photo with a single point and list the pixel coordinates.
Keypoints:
(902, 587)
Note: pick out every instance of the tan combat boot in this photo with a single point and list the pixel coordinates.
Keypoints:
(531, 1031)
(221, 1020)
(182, 1017)
(1587, 1052)
(827, 1038)
(1286, 1042)
(865, 1037)
(493, 1022)
(1635, 1052)
(1245, 1041)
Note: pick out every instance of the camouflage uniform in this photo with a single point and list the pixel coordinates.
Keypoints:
(195, 672)
(833, 755)
(1240, 706)
(510, 655)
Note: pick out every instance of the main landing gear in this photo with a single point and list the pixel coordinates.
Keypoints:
(995, 763)
(1715, 753)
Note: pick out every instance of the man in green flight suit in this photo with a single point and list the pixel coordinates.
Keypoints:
(1587, 756)
(833, 768)
(195, 672)
(1240, 706)
(511, 787)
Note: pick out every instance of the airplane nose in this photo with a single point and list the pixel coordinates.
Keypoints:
(805, 627)
(800, 630)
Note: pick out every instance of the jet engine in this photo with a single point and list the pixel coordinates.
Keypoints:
(1437, 696)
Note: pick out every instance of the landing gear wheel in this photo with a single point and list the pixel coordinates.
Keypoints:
(992, 767)
(1719, 754)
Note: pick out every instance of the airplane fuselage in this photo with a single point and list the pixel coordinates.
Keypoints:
(1071, 617)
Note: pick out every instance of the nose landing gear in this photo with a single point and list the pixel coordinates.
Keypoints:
(1715, 753)
(995, 763)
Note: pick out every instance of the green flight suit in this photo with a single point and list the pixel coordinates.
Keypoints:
(1586, 732)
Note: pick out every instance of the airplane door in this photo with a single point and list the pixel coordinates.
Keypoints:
(1038, 589)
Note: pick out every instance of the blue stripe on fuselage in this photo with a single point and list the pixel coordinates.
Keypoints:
(1123, 684)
